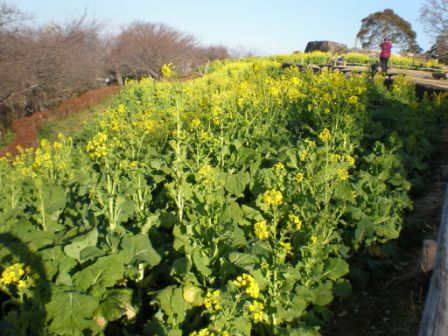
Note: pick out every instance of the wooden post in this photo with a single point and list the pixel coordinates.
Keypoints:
(435, 314)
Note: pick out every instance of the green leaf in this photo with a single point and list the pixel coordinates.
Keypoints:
(323, 294)
(126, 209)
(260, 279)
(105, 272)
(231, 213)
(117, 304)
(251, 213)
(201, 262)
(74, 249)
(91, 252)
(336, 268)
(54, 198)
(342, 288)
(241, 326)
(70, 313)
(235, 184)
(139, 249)
(178, 305)
(238, 238)
(243, 259)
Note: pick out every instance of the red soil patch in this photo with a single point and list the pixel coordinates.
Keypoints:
(25, 129)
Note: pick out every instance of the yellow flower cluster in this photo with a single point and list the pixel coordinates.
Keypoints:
(248, 282)
(342, 174)
(202, 332)
(296, 221)
(286, 247)
(256, 308)
(97, 146)
(279, 167)
(335, 157)
(168, 70)
(273, 198)
(353, 100)
(303, 155)
(17, 274)
(314, 240)
(206, 173)
(299, 177)
(325, 135)
(195, 123)
(211, 301)
(261, 230)
(350, 160)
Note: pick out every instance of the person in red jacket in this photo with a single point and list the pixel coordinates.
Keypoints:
(386, 46)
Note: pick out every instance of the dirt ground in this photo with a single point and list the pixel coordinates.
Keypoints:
(394, 307)
(25, 129)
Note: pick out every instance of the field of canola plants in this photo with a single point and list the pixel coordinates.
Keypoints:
(225, 205)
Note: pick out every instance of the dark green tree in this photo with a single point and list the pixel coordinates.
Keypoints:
(387, 23)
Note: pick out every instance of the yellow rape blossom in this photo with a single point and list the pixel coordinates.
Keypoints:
(195, 123)
(273, 198)
(325, 135)
(168, 70)
(350, 160)
(303, 155)
(299, 177)
(261, 230)
(279, 167)
(342, 174)
(248, 282)
(353, 100)
(211, 301)
(202, 332)
(286, 247)
(12, 274)
(256, 308)
(296, 221)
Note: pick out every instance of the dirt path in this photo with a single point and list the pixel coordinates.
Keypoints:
(25, 129)
(394, 307)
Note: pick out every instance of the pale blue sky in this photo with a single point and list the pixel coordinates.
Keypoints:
(265, 26)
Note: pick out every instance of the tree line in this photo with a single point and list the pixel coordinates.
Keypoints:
(42, 65)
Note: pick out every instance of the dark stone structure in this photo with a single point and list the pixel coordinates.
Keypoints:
(326, 46)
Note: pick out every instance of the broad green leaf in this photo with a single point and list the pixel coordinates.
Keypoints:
(91, 252)
(54, 198)
(178, 305)
(117, 304)
(241, 326)
(104, 273)
(201, 262)
(74, 249)
(342, 288)
(70, 313)
(235, 184)
(243, 259)
(336, 268)
(139, 249)
(323, 294)
(231, 213)
(251, 213)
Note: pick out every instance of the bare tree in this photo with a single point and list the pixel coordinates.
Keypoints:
(434, 15)
(142, 48)
(41, 66)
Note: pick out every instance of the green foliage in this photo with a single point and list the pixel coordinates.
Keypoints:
(223, 205)
(376, 26)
